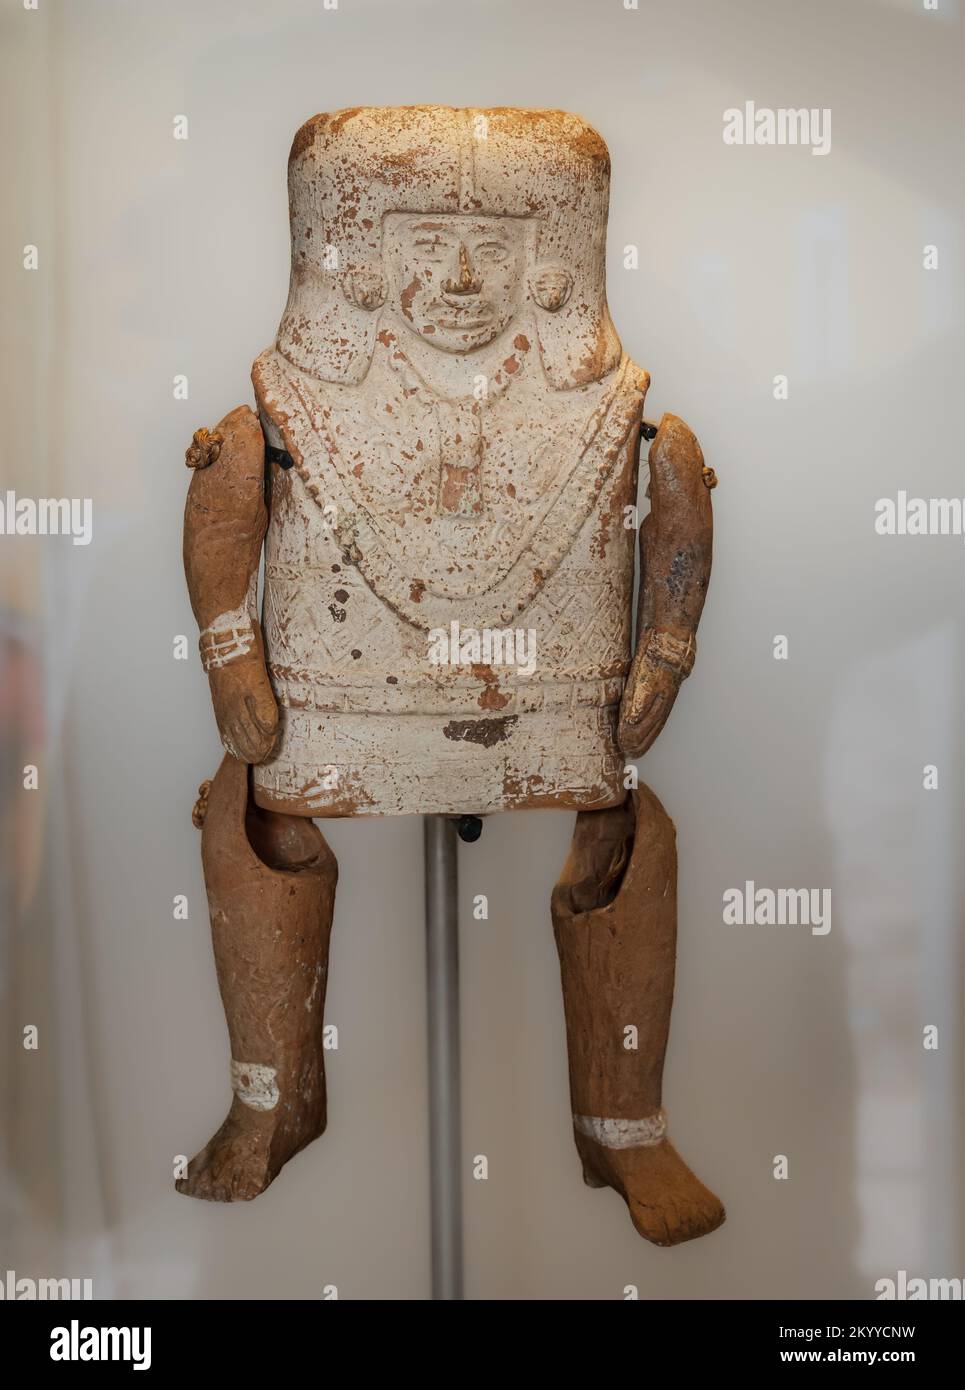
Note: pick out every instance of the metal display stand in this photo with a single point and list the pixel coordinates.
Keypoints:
(442, 834)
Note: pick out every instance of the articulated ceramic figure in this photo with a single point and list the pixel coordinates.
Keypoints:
(441, 466)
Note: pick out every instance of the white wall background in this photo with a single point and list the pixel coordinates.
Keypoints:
(161, 257)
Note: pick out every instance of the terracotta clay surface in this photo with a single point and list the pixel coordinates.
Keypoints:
(676, 544)
(447, 508)
(271, 890)
(615, 921)
(224, 527)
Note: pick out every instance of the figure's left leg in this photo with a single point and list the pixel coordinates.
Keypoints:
(615, 921)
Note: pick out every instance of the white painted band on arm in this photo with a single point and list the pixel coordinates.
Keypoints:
(231, 634)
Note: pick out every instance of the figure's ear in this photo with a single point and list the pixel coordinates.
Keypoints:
(550, 286)
(364, 288)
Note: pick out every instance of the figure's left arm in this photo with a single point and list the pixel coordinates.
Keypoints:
(676, 541)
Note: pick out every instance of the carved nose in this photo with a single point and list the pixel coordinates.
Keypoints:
(468, 282)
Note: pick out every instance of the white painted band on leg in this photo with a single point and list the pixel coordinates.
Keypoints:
(255, 1084)
(623, 1134)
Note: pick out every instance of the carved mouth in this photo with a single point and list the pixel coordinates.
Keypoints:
(463, 325)
(457, 323)
(448, 313)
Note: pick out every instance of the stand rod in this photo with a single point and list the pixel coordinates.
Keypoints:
(442, 977)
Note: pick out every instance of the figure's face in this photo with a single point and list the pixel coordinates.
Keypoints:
(457, 281)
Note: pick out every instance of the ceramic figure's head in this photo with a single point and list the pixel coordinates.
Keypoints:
(453, 225)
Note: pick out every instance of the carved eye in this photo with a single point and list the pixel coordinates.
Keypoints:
(430, 247)
(492, 253)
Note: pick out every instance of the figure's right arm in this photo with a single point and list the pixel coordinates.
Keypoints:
(225, 519)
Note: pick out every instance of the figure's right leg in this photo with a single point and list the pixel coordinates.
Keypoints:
(270, 881)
